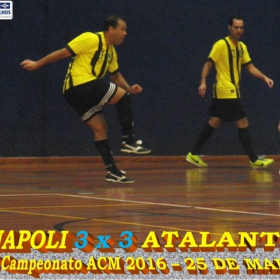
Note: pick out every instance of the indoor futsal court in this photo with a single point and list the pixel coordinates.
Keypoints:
(52, 174)
(169, 194)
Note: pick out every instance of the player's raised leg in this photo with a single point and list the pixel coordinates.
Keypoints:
(130, 145)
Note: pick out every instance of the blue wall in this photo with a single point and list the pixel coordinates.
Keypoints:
(166, 47)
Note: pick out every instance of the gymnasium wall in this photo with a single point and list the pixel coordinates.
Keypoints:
(166, 47)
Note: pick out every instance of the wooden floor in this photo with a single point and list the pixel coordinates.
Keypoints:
(169, 194)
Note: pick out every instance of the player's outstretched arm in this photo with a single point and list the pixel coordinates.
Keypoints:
(31, 65)
(258, 74)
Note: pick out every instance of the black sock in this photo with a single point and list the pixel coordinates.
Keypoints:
(125, 115)
(206, 133)
(104, 150)
(245, 140)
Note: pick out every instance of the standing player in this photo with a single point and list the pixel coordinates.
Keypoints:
(87, 91)
(228, 55)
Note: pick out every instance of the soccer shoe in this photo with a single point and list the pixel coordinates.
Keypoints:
(134, 148)
(196, 160)
(118, 178)
(261, 162)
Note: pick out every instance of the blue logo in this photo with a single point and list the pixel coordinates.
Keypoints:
(5, 5)
(6, 9)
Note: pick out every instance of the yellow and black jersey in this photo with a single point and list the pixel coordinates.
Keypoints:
(228, 59)
(91, 59)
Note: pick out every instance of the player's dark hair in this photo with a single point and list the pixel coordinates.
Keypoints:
(230, 21)
(111, 21)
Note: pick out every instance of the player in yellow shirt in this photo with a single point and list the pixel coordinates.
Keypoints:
(86, 90)
(228, 55)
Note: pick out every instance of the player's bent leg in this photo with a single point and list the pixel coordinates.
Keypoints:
(245, 140)
(99, 127)
(120, 92)
(206, 132)
(130, 145)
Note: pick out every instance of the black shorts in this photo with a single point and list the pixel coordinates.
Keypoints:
(228, 110)
(88, 98)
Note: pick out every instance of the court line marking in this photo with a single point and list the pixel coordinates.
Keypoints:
(66, 206)
(28, 194)
(120, 222)
(171, 205)
(149, 203)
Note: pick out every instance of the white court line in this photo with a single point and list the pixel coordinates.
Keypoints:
(172, 205)
(148, 203)
(28, 194)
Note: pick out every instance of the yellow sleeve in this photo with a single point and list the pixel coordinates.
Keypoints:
(246, 59)
(83, 43)
(217, 51)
